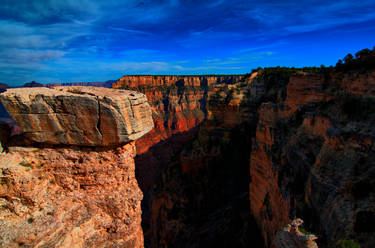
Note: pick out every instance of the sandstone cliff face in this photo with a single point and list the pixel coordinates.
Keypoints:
(69, 195)
(311, 157)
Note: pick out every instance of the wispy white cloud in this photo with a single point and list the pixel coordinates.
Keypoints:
(199, 69)
(49, 11)
(28, 56)
(211, 60)
(215, 3)
(242, 58)
(328, 23)
(262, 47)
(128, 30)
(24, 44)
(287, 17)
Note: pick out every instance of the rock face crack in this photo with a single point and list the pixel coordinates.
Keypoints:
(131, 107)
(99, 119)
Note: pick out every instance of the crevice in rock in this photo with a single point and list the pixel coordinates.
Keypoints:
(98, 124)
(131, 107)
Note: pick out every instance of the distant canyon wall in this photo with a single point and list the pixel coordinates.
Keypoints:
(179, 107)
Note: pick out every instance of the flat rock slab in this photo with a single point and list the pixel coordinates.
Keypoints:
(79, 115)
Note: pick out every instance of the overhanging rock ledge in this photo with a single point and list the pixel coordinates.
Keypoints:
(78, 115)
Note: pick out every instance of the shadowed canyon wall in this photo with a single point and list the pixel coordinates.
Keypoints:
(193, 198)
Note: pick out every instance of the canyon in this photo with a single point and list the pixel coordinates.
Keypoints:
(230, 161)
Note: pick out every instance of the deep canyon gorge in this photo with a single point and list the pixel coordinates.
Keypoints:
(229, 162)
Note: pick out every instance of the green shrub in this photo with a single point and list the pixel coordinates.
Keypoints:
(30, 220)
(304, 231)
(347, 243)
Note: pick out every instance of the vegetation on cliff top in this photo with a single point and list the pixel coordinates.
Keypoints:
(362, 60)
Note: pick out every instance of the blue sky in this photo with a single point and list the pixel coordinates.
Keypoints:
(97, 40)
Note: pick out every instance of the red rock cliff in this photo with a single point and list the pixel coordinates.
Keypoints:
(178, 105)
(177, 102)
(311, 156)
(303, 137)
(70, 195)
(193, 111)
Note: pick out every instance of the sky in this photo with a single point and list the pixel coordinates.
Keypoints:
(96, 40)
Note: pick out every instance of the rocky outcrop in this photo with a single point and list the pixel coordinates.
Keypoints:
(73, 195)
(106, 84)
(79, 115)
(70, 197)
(292, 237)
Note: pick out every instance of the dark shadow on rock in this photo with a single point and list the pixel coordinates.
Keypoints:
(206, 207)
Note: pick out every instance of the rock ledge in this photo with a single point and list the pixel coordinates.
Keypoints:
(78, 115)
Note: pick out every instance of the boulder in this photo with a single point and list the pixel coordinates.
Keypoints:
(78, 115)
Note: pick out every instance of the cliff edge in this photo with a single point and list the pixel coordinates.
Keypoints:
(77, 186)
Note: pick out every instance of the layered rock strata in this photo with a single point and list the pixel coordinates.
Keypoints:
(312, 156)
(70, 195)
(179, 106)
(152, 81)
(305, 138)
(79, 115)
(198, 198)
(178, 102)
